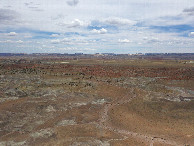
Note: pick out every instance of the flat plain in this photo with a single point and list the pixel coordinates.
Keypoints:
(96, 102)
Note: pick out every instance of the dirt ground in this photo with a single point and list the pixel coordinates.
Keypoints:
(96, 102)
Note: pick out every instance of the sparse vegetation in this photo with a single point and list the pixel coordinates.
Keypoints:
(96, 102)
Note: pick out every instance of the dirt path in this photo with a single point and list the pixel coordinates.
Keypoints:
(104, 124)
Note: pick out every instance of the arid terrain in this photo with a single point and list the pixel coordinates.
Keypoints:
(96, 102)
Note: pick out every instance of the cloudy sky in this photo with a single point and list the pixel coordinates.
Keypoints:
(96, 26)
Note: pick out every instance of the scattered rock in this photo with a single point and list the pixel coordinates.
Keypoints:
(44, 133)
(12, 143)
(99, 101)
(50, 108)
(66, 122)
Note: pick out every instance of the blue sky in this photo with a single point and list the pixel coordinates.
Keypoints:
(97, 26)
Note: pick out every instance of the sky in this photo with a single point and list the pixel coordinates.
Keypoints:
(97, 26)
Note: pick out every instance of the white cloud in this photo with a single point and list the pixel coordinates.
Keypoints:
(124, 41)
(72, 2)
(100, 31)
(76, 49)
(191, 34)
(6, 41)
(56, 41)
(11, 41)
(117, 17)
(119, 21)
(20, 41)
(76, 23)
(63, 41)
(54, 35)
(12, 34)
